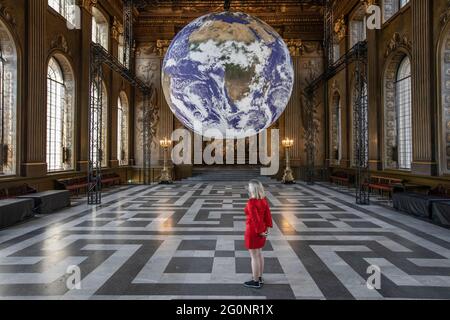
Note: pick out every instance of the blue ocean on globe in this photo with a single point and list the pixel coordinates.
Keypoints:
(228, 72)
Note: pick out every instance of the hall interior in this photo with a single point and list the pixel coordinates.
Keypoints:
(86, 133)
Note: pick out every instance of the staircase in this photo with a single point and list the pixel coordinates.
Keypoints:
(227, 173)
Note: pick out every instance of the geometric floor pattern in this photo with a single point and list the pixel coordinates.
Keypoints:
(185, 241)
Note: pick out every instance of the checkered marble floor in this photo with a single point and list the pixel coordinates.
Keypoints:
(185, 241)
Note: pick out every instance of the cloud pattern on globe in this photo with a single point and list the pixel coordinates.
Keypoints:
(229, 73)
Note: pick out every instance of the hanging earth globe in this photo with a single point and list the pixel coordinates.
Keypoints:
(230, 72)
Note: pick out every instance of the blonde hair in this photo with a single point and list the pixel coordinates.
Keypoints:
(256, 190)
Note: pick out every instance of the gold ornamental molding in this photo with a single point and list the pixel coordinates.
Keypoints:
(340, 28)
(162, 46)
(116, 29)
(146, 21)
(295, 47)
(88, 4)
(368, 3)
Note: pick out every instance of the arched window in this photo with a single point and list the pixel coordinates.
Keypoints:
(100, 118)
(404, 121)
(60, 94)
(100, 28)
(444, 115)
(122, 129)
(8, 102)
(336, 129)
(397, 112)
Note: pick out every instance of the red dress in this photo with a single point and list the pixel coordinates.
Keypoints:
(259, 219)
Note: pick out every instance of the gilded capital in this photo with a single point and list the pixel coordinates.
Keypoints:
(295, 47)
(369, 3)
(116, 29)
(162, 46)
(88, 4)
(340, 28)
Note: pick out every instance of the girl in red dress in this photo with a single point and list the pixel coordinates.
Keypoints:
(259, 220)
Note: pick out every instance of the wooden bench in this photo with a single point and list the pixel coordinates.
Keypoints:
(383, 185)
(75, 185)
(342, 179)
(78, 185)
(111, 179)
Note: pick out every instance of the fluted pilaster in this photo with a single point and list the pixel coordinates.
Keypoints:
(85, 87)
(35, 158)
(374, 89)
(293, 123)
(422, 79)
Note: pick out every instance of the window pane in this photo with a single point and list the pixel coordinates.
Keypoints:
(122, 131)
(403, 94)
(100, 29)
(100, 123)
(7, 112)
(66, 8)
(55, 115)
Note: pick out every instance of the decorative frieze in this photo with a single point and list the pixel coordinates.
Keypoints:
(60, 43)
(7, 15)
(398, 42)
(116, 29)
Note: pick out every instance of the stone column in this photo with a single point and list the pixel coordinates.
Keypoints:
(166, 120)
(116, 88)
(374, 100)
(293, 127)
(422, 91)
(36, 116)
(85, 87)
(113, 122)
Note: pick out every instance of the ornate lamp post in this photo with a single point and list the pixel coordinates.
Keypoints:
(288, 177)
(166, 177)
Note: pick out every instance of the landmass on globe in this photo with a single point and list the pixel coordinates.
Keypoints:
(229, 72)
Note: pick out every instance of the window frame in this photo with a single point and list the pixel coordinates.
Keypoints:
(63, 10)
(104, 100)
(55, 115)
(100, 20)
(407, 116)
(123, 110)
(9, 95)
(400, 8)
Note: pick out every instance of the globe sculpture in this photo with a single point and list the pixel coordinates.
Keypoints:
(230, 72)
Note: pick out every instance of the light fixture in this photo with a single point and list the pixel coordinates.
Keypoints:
(166, 177)
(288, 177)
